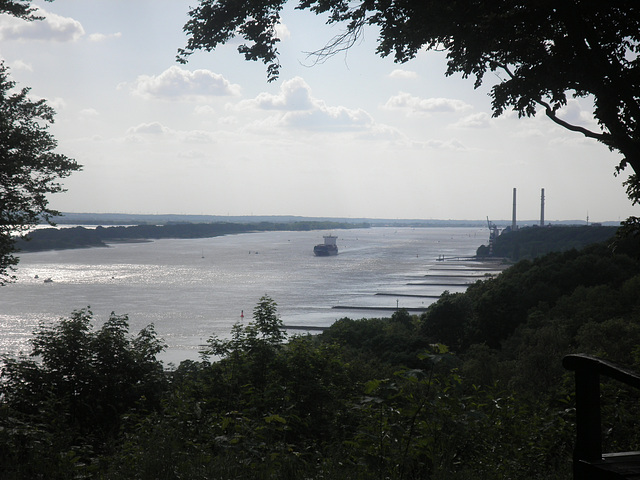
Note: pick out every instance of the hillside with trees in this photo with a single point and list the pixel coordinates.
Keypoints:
(81, 237)
(472, 389)
(533, 242)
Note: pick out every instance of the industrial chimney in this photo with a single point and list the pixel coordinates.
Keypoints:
(513, 218)
(542, 208)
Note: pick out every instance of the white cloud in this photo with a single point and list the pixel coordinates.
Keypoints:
(154, 128)
(403, 74)
(199, 136)
(452, 144)
(52, 28)
(418, 106)
(328, 118)
(57, 103)
(89, 113)
(574, 113)
(282, 32)
(176, 83)
(295, 95)
(21, 65)
(204, 110)
(477, 120)
(100, 37)
(227, 121)
(304, 111)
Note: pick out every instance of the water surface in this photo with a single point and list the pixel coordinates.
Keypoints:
(192, 288)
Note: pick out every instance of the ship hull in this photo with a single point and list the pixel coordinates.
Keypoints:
(325, 250)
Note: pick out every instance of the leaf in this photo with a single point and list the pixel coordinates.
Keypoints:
(371, 385)
(275, 418)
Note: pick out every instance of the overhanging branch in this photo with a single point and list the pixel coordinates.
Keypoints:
(550, 112)
(602, 137)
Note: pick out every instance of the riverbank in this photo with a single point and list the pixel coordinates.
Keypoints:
(82, 237)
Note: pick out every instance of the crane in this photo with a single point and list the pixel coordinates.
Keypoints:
(493, 234)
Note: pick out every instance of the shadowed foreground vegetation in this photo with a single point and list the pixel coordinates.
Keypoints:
(472, 389)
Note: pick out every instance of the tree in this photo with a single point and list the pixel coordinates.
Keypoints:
(30, 169)
(543, 51)
(83, 381)
(254, 346)
(19, 8)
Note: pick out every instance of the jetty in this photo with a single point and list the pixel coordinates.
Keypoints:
(382, 309)
(413, 295)
(304, 327)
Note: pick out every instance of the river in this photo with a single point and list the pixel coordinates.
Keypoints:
(192, 288)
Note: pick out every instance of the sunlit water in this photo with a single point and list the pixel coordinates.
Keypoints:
(191, 289)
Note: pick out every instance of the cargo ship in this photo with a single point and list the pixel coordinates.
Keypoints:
(327, 248)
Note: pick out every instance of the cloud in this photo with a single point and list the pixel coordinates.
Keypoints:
(420, 106)
(89, 113)
(21, 65)
(205, 110)
(302, 110)
(176, 83)
(294, 94)
(52, 28)
(282, 32)
(155, 133)
(100, 37)
(573, 112)
(199, 136)
(328, 118)
(154, 128)
(57, 103)
(452, 144)
(477, 120)
(403, 74)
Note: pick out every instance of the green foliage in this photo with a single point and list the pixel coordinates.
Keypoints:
(572, 285)
(448, 320)
(71, 395)
(19, 9)
(534, 242)
(30, 169)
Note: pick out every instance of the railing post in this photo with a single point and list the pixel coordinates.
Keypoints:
(588, 422)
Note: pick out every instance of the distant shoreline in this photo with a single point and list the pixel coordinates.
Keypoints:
(105, 219)
(44, 239)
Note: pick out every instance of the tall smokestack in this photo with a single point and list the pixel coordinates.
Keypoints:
(513, 218)
(542, 208)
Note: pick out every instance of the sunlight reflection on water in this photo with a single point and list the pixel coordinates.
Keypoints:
(193, 288)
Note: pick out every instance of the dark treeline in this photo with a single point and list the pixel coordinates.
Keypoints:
(80, 237)
(532, 242)
(471, 389)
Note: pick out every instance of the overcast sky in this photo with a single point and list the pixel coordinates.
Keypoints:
(356, 136)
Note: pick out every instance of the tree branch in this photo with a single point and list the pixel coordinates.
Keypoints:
(602, 137)
(550, 112)
(340, 43)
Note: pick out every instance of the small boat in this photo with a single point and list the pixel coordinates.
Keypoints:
(327, 248)
(48, 280)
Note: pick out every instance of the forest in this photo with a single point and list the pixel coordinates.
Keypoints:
(532, 242)
(81, 237)
(471, 389)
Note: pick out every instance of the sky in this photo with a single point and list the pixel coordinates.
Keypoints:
(356, 136)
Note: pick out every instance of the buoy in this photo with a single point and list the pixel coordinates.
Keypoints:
(241, 313)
